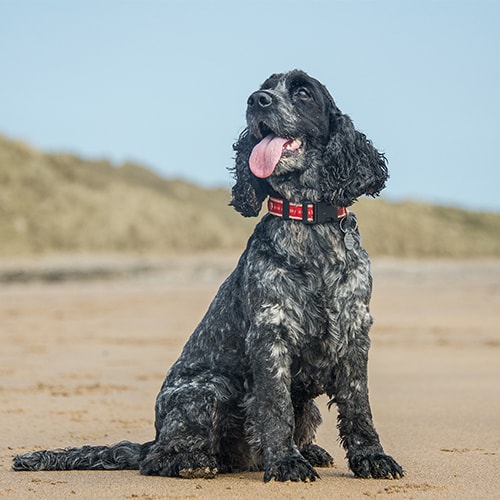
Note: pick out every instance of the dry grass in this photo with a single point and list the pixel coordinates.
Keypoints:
(52, 203)
(412, 229)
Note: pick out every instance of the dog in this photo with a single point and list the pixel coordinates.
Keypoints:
(290, 323)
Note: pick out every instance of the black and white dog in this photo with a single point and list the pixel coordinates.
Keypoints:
(290, 323)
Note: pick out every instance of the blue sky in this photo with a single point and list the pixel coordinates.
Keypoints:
(165, 83)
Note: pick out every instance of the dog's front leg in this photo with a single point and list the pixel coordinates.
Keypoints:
(357, 432)
(271, 419)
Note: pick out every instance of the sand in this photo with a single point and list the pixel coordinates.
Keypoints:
(81, 363)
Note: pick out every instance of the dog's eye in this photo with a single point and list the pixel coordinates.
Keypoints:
(303, 93)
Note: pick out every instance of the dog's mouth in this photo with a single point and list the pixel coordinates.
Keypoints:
(267, 153)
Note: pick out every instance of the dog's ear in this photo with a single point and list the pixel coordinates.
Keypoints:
(352, 165)
(248, 192)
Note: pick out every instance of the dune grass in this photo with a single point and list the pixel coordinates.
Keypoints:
(61, 203)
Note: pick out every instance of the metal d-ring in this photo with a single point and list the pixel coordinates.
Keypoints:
(350, 230)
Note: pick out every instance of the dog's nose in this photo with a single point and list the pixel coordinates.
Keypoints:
(260, 99)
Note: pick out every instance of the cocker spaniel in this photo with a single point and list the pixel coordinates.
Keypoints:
(290, 323)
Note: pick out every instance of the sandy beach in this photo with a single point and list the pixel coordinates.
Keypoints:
(81, 363)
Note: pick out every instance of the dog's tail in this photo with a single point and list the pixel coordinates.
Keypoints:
(121, 456)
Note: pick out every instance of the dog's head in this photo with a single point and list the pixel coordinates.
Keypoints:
(300, 145)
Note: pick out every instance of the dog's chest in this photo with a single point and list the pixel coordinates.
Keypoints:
(313, 292)
(335, 311)
(339, 323)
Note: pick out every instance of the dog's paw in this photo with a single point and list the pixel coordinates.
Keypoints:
(188, 465)
(376, 466)
(317, 456)
(293, 468)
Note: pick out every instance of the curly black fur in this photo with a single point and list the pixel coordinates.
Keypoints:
(290, 323)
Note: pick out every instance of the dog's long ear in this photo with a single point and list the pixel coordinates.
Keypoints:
(352, 165)
(248, 192)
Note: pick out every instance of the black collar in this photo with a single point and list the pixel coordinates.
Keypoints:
(306, 212)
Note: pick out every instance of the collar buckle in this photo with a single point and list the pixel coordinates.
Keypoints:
(323, 212)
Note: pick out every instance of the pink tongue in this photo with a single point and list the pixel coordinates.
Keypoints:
(266, 154)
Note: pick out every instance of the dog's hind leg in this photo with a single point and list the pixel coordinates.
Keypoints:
(307, 420)
(188, 431)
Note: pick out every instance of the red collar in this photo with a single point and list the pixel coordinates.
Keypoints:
(309, 213)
